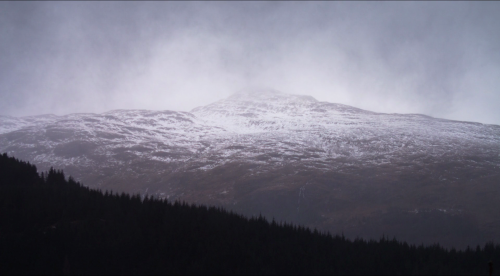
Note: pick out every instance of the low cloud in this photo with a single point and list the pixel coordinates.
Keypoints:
(440, 59)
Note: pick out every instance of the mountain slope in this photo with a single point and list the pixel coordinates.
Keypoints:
(327, 165)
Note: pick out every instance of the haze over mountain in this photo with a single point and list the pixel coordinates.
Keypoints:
(437, 58)
(291, 157)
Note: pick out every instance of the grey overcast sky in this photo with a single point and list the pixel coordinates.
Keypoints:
(436, 58)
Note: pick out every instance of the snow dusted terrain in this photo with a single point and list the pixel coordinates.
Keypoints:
(326, 165)
(299, 127)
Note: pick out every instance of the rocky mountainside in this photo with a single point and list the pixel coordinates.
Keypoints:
(290, 157)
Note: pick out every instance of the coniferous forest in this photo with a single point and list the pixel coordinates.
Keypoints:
(53, 225)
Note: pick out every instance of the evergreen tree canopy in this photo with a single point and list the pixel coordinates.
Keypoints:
(50, 225)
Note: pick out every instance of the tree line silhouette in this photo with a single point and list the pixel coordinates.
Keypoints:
(53, 225)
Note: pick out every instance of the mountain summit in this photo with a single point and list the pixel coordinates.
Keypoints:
(325, 165)
(270, 110)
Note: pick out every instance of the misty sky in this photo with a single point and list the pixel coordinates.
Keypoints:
(437, 58)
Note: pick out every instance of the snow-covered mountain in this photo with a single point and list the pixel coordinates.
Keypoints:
(326, 165)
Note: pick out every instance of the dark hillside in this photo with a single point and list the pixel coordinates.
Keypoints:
(50, 225)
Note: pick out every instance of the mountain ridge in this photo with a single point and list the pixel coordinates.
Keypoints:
(292, 157)
(258, 95)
